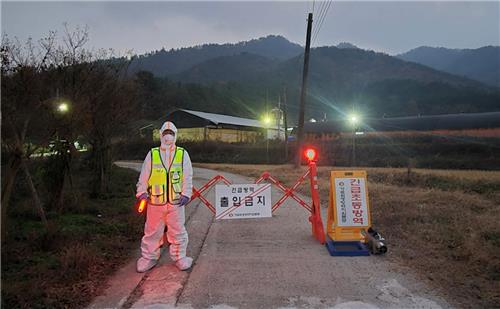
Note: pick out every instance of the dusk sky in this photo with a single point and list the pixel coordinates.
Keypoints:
(390, 27)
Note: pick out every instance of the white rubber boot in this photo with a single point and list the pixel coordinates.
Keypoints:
(184, 263)
(144, 265)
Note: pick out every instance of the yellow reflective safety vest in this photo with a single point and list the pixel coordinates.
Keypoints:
(165, 183)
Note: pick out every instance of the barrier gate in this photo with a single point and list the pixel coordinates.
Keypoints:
(314, 209)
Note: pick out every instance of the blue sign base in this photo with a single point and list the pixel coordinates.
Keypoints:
(346, 248)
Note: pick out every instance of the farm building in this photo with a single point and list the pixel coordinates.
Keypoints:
(202, 126)
(470, 124)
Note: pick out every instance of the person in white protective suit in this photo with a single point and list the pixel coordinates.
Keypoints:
(166, 182)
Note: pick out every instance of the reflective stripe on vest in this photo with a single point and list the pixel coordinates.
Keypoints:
(165, 184)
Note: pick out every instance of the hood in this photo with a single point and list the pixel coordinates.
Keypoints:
(170, 126)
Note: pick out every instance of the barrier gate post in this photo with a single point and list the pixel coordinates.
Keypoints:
(315, 218)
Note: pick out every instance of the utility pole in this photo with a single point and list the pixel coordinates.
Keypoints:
(353, 163)
(300, 131)
(267, 133)
(285, 124)
(279, 117)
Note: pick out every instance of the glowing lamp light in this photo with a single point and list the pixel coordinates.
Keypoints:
(311, 154)
(142, 206)
(353, 119)
(267, 120)
(63, 108)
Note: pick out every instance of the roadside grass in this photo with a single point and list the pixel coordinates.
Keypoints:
(66, 265)
(444, 224)
(485, 183)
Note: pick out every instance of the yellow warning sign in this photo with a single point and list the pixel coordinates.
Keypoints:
(349, 209)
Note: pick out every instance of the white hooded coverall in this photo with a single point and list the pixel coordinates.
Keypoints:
(159, 216)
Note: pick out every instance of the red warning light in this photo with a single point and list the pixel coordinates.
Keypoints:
(310, 154)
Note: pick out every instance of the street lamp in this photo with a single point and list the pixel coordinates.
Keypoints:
(63, 107)
(267, 121)
(277, 115)
(354, 120)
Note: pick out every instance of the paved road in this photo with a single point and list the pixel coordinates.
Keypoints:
(263, 263)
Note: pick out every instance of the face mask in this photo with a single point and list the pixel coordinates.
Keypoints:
(167, 139)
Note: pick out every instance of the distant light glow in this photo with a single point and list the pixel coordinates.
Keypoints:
(267, 120)
(63, 108)
(354, 119)
(312, 120)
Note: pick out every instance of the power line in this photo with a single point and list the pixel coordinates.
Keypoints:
(320, 12)
(322, 19)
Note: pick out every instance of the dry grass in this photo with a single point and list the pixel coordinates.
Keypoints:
(76, 260)
(444, 224)
(449, 237)
(457, 174)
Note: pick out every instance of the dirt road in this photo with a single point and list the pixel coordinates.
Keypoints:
(263, 263)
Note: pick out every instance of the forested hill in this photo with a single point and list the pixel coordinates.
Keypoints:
(341, 79)
(378, 84)
(164, 63)
(482, 64)
(239, 67)
(345, 69)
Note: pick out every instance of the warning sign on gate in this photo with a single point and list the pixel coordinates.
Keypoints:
(242, 201)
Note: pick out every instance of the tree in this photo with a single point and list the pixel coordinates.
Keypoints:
(104, 113)
(25, 106)
(102, 100)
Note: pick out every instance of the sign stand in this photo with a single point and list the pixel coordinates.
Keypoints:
(348, 214)
(346, 248)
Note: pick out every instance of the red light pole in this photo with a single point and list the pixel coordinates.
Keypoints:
(315, 218)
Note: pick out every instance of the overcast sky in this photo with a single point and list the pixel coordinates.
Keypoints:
(390, 27)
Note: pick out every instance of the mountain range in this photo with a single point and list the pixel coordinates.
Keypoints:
(165, 63)
(482, 64)
(343, 78)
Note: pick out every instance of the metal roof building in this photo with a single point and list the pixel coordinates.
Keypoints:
(184, 118)
(197, 126)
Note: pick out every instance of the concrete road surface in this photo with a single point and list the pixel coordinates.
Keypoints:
(263, 263)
